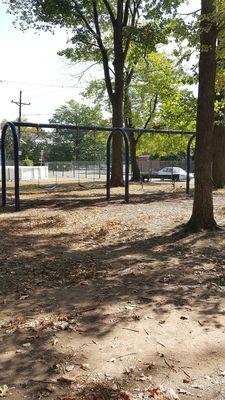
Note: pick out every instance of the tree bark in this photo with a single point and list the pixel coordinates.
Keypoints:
(219, 157)
(218, 170)
(136, 176)
(117, 103)
(117, 122)
(129, 124)
(202, 213)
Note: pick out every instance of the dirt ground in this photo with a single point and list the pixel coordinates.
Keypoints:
(110, 301)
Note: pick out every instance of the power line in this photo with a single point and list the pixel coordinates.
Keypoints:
(34, 115)
(44, 94)
(42, 84)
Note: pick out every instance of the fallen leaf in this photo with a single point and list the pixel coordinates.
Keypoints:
(186, 380)
(171, 394)
(18, 351)
(182, 391)
(114, 386)
(201, 387)
(130, 307)
(184, 317)
(128, 370)
(125, 396)
(55, 341)
(154, 392)
(26, 345)
(85, 366)
(63, 325)
(24, 297)
(142, 378)
(69, 367)
(4, 390)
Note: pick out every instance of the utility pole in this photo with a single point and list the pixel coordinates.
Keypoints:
(20, 104)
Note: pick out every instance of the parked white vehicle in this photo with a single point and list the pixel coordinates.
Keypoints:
(173, 173)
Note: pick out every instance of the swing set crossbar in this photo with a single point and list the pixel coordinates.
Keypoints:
(102, 128)
(123, 131)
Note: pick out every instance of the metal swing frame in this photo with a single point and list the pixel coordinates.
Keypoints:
(123, 131)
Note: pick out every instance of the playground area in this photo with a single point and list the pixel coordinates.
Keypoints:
(104, 301)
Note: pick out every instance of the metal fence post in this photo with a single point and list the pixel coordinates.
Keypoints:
(16, 164)
(188, 163)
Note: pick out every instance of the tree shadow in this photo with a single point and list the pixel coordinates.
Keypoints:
(71, 197)
(90, 283)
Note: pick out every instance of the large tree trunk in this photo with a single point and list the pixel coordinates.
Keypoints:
(136, 176)
(129, 124)
(219, 157)
(117, 153)
(219, 148)
(202, 213)
(117, 106)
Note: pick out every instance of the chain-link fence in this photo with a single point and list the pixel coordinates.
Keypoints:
(77, 170)
(90, 171)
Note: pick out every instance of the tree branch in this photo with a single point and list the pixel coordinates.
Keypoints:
(133, 22)
(190, 13)
(96, 22)
(110, 11)
(119, 18)
(126, 13)
(129, 76)
(81, 15)
(103, 50)
(152, 110)
(82, 73)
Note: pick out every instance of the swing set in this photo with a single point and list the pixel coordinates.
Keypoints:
(12, 126)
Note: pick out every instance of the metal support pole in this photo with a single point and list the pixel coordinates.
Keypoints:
(127, 165)
(188, 163)
(3, 161)
(108, 164)
(16, 164)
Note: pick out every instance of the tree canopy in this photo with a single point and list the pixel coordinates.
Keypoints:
(104, 32)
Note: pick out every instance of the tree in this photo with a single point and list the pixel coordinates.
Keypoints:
(218, 167)
(74, 143)
(219, 129)
(63, 145)
(202, 213)
(175, 112)
(103, 32)
(189, 31)
(155, 98)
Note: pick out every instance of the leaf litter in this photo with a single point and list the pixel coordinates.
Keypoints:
(88, 247)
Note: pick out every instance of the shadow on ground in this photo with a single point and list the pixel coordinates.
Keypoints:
(53, 280)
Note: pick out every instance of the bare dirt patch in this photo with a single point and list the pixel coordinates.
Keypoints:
(110, 301)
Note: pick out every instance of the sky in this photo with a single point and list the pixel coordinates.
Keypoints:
(29, 62)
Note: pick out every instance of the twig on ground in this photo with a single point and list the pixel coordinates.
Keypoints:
(126, 355)
(161, 344)
(130, 329)
(184, 372)
(169, 365)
